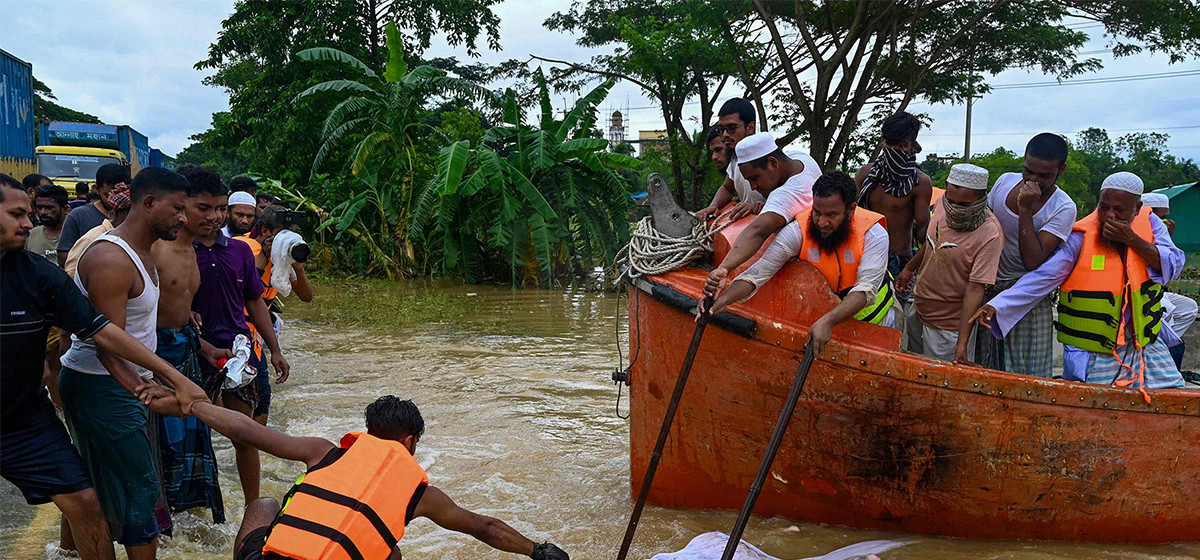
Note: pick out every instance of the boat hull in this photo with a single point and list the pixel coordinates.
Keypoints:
(886, 440)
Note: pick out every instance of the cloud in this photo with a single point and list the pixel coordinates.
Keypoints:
(127, 62)
(130, 62)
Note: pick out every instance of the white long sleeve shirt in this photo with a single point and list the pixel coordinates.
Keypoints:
(787, 243)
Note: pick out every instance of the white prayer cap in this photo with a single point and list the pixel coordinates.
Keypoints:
(242, 197)
(968, 176)
(755, 146)
(1156, 200)
(1123, 181)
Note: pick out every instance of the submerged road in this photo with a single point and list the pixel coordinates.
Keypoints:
(514, 387)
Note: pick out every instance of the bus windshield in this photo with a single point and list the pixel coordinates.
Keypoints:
(71, 166)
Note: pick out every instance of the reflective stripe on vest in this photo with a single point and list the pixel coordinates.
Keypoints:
(840, 267)
(352, 509)
(1094, 295)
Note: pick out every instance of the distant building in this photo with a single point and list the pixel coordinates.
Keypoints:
(616, 129)
(652, 140)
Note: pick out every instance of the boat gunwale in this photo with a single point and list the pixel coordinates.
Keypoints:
(791, 336)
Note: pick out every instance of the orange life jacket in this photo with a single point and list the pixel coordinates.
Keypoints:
(352, 509)
(937, 195)
(269, 293)
(1103, 282)
(840, 267)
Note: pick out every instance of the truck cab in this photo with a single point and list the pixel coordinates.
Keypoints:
(67, 165)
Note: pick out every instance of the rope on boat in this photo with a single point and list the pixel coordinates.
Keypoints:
(650, 252)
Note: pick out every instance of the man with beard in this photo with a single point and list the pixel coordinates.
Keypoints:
(110, 426)
(957, 262)
(1036, 217)
(230, 290)
(88, 216)
(897, 188)
(1111, 270)
(787, 184)
(189, 464)
(50, 202)
(243, 210)
(847, 245)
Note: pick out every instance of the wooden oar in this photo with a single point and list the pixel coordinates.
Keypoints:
(663, 432)
(785, 418)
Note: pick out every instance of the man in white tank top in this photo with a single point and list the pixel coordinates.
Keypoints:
(109, 424)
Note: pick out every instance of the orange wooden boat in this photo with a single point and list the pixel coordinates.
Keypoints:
(887, 440)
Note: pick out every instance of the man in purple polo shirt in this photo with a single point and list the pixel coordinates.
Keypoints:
(229, 284)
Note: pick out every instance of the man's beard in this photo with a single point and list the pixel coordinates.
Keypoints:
(48, 222)
(828, 243)
(235, 231)
(167, 232)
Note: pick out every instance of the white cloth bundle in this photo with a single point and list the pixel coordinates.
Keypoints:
(238, 370)
(282, 273)
(709, 546)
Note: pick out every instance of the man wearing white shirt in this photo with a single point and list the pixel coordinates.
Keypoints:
(786, 185)
(847, 245)
(1036, 217)
(737, 121)
(1179, 311)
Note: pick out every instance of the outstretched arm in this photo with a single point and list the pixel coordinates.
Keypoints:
(440, 509)
(244, 430)
(748, 243)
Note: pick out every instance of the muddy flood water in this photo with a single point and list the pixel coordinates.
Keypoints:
(519, 407)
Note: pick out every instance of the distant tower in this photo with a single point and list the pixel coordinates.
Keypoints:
(616, 129)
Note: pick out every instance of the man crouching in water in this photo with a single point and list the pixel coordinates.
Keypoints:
(373, 474)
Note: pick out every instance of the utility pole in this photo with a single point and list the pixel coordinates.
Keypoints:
(967, 143)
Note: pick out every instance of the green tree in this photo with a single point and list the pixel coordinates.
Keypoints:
(379, 128)
(528, 203)
(896, 52)
(671, 50)
(252, 58)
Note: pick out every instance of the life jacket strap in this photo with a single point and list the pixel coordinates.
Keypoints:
(364, 509)
(1098, 338)
(324, 531)
(1094, 315)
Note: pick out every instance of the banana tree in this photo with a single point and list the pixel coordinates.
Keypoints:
(378, 132)
(539, 201)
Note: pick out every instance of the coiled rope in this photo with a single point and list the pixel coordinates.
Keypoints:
(651, 252)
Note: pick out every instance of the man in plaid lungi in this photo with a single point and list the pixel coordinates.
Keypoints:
(1036, 217)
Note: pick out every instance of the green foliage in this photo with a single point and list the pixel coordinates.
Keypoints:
(253, 59)
(1074, 180)
(528, 203)
(379, 135)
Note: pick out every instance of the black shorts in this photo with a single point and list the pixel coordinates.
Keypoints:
(253, 545)
(38, 457)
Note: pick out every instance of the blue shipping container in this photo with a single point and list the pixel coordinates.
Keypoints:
(17, 126)
(157, 158)
(136, 147)
(88, 135)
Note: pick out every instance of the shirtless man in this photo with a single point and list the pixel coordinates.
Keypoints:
(189, 453)
(894, 186)
(109, 425)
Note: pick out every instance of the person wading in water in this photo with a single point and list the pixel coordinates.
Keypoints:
(372, 473)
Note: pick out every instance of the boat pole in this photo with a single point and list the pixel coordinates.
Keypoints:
(785, 418)
(663, 432)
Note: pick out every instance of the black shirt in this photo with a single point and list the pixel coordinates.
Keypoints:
(79, 221)
(34, 295)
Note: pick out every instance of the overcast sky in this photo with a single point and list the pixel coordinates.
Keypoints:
(140, 73)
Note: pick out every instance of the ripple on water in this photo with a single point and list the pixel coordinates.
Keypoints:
(519, 417)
